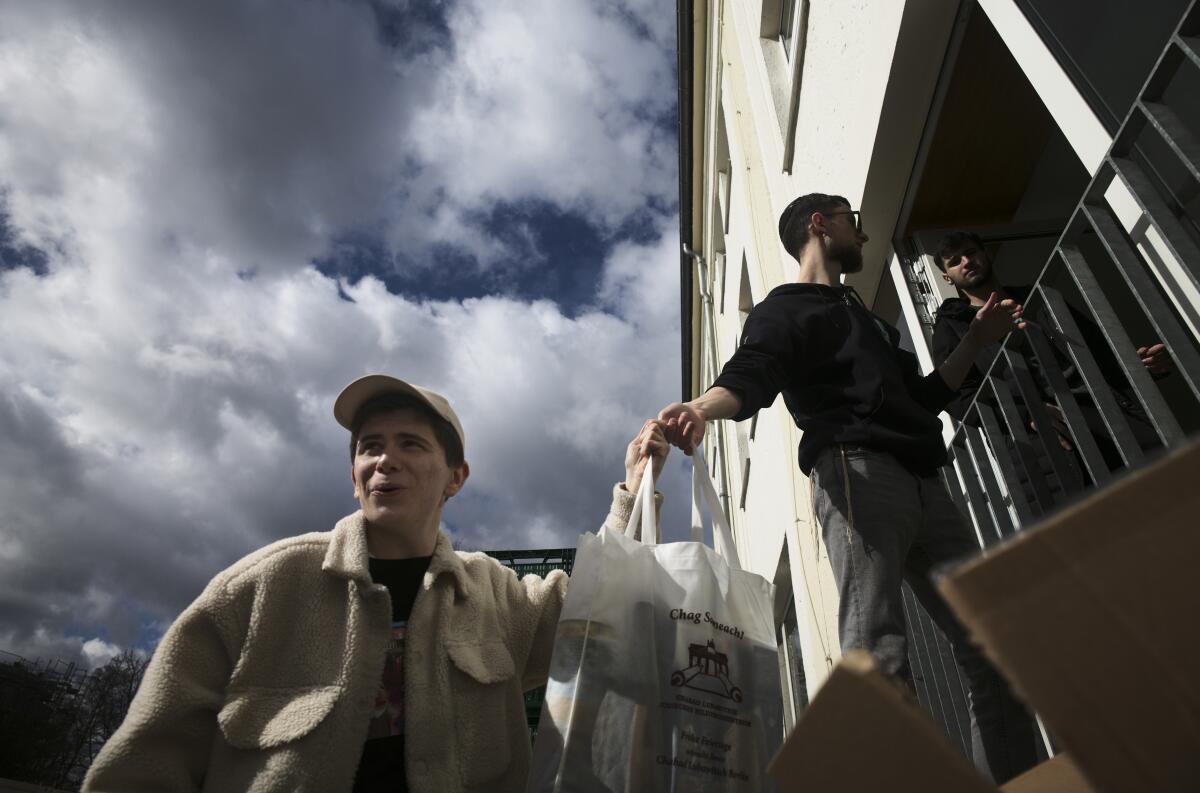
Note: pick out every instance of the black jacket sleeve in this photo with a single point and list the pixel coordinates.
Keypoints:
(930, 391)
(945, 340)
(768, 356)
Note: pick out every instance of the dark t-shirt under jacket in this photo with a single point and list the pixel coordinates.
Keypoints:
(382, 765)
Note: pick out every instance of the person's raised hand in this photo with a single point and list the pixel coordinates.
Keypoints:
(995, 319)
(683, 425)
(650, 444)
(1156, 358)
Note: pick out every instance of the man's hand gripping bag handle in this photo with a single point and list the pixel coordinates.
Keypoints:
(702, 488)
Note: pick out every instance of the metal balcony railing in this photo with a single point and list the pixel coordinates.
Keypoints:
(1103, 293)
(1101, 296)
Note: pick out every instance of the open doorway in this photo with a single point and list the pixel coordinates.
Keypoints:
(992, 161)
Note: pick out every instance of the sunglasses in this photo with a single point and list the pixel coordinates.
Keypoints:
(857, 216)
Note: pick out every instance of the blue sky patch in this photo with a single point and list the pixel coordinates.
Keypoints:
(14, 254)
(558, 256)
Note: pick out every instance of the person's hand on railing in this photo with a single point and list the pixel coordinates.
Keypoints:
(649, 444)
(1156, 358)
(1059, 423)
(995, 319)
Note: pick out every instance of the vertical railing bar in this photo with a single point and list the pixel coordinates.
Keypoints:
(1172, 57)
(1189, 46)
(1081, 432)
(996, 440)
(1179, 343)
(1176, 203)
(1128, 134)
(955, 692)
(953, 673)
(1067, 474)
(958, 677)
(916, 632)
(975, 498)
(989, 529)
(983, 469)
(1021, 439)
(1123, 347)
(1094, 194)
(1174, 133)
(1099, 389)
(1176, 200)
(914, 654)
(932, 636)
(1177, 240)
(950, 481)
(958, 490)
(1044, 735)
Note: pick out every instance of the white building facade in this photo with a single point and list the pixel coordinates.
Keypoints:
(1061, 131)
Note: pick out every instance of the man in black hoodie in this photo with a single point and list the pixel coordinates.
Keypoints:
(872, 446)
(965, 265)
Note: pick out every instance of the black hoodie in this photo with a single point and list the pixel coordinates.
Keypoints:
(843, 376)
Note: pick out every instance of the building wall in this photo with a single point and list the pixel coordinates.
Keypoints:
(847, 63)
(867, 85)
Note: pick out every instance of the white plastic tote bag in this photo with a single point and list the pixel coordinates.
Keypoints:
(665, 673)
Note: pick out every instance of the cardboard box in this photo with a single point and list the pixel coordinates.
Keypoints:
(1093, 616)
(863, 734)
(1059, 774)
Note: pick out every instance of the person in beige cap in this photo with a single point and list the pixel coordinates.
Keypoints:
(371, 657)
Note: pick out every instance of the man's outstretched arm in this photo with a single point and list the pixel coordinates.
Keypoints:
(994, 320)
(683, 422)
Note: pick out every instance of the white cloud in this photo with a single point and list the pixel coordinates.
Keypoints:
(252, 130)
(555, 101)
(166, 451)
(163, 412)
(99, 652)
(258, 132)
(639, 284)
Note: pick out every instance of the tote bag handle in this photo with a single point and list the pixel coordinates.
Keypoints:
(643, 510)
(702, 488)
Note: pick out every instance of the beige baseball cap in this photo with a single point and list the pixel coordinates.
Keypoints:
(364, 389)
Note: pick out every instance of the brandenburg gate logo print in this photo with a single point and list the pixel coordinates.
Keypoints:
(708, 671)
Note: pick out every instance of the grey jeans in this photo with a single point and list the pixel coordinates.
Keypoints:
(884, 525)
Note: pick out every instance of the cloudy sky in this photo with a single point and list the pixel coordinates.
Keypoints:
(214, 215)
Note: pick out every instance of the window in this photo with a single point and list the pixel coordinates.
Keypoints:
(795, 690)
(787, 26)
(745, 297)
(744, 448)
(782, 32)
(724, 173)
(719, 279)
(723, 196)
(792, 680)
(745, 430)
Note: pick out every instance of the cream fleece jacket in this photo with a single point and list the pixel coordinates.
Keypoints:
(266, 682)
